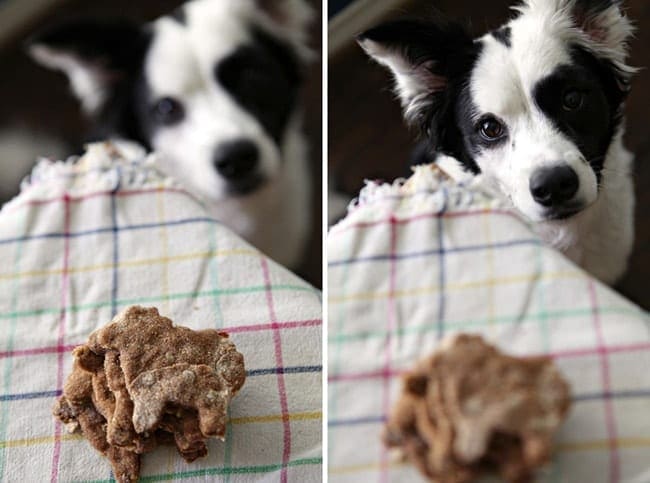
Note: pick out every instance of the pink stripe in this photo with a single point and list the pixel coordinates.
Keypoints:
(602, 350)
(231, 330)
(284, 406)
(33, 352)
(97, 194)
(61, 337)
(424, 216)
(392, 324)
(614, 462)
(279, 325)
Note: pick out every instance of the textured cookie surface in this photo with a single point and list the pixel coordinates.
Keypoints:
(469, 410)
(140, 381)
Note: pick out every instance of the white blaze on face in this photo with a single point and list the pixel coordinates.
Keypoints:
(502, 84)
(181, 64)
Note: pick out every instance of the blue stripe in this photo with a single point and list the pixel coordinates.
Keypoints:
(284, 370)
(577, 399)
(78, 234)
(357, 421)
(116, 256)
(441, 279)
(252, 373)
(29, 395)
(611, 395)
(436, 251)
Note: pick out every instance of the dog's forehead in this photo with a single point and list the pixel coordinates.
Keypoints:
(512, 62)
(187, 45)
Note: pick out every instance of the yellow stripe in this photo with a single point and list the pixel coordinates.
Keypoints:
(603, 444)
(43, 440)
(455, 286)
(247, 420)
(133, 263)
(367, 467)
(277, 418)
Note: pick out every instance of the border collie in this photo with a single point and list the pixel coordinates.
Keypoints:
(536, 109)
(213, 90)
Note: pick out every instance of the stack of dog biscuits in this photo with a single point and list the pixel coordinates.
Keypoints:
(140, 382)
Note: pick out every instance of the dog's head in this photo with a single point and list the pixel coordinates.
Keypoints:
(533, 106)
(212, 88)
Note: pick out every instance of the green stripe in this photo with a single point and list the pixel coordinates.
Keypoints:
(220, 471)
(472, 324)
(144, 300)
(219, 323)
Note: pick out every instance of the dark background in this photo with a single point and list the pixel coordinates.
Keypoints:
(368, 140)
(39, 99)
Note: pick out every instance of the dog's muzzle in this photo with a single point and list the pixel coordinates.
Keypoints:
(555, 189)
(238, 162)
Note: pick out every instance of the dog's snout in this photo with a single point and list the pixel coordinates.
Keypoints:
(554, 186)
(236, 159)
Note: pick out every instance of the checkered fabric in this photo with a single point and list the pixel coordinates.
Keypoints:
(85, 240)
(412, 264)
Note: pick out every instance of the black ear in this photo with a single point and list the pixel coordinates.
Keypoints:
(94, 55)
(430, 62)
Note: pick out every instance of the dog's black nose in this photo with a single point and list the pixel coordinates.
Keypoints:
(236, 159)
(554, 186)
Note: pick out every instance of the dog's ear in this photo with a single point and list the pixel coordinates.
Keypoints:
(95, 56)
(601, 26)
(293, 18)
(427, 61)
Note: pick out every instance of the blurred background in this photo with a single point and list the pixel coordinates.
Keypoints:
(40, 116)
(368, 140)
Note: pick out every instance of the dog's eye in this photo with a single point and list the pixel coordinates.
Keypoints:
(491, 129)
(168, 111)
(572, 100)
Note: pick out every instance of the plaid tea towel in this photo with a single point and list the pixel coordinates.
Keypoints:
(414, 263)
(86, 239)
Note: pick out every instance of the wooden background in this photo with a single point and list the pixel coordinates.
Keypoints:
(368, 140)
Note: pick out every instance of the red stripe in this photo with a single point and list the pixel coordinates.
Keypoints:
(392, 324)
(61, 336)
(602, 350)
(424, 216)
(231, 330)
(76, 199)
(38, 351)
(275, 326)
(610, 422)
(282, 391)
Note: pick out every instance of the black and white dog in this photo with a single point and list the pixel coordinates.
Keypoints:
(213, 89)
(536, 109)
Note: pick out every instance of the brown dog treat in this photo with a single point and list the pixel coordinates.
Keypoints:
(469, 410)
(144, 341)
(140, 382)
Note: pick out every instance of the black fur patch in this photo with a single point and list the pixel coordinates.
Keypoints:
(454, 54)
(593, 125)
(179, 15)
(118, 48)
(112, 45)
(503, 35)
(264, 77)
(595, 5)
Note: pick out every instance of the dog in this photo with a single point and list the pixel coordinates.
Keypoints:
(213, 89)
(535, 108)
